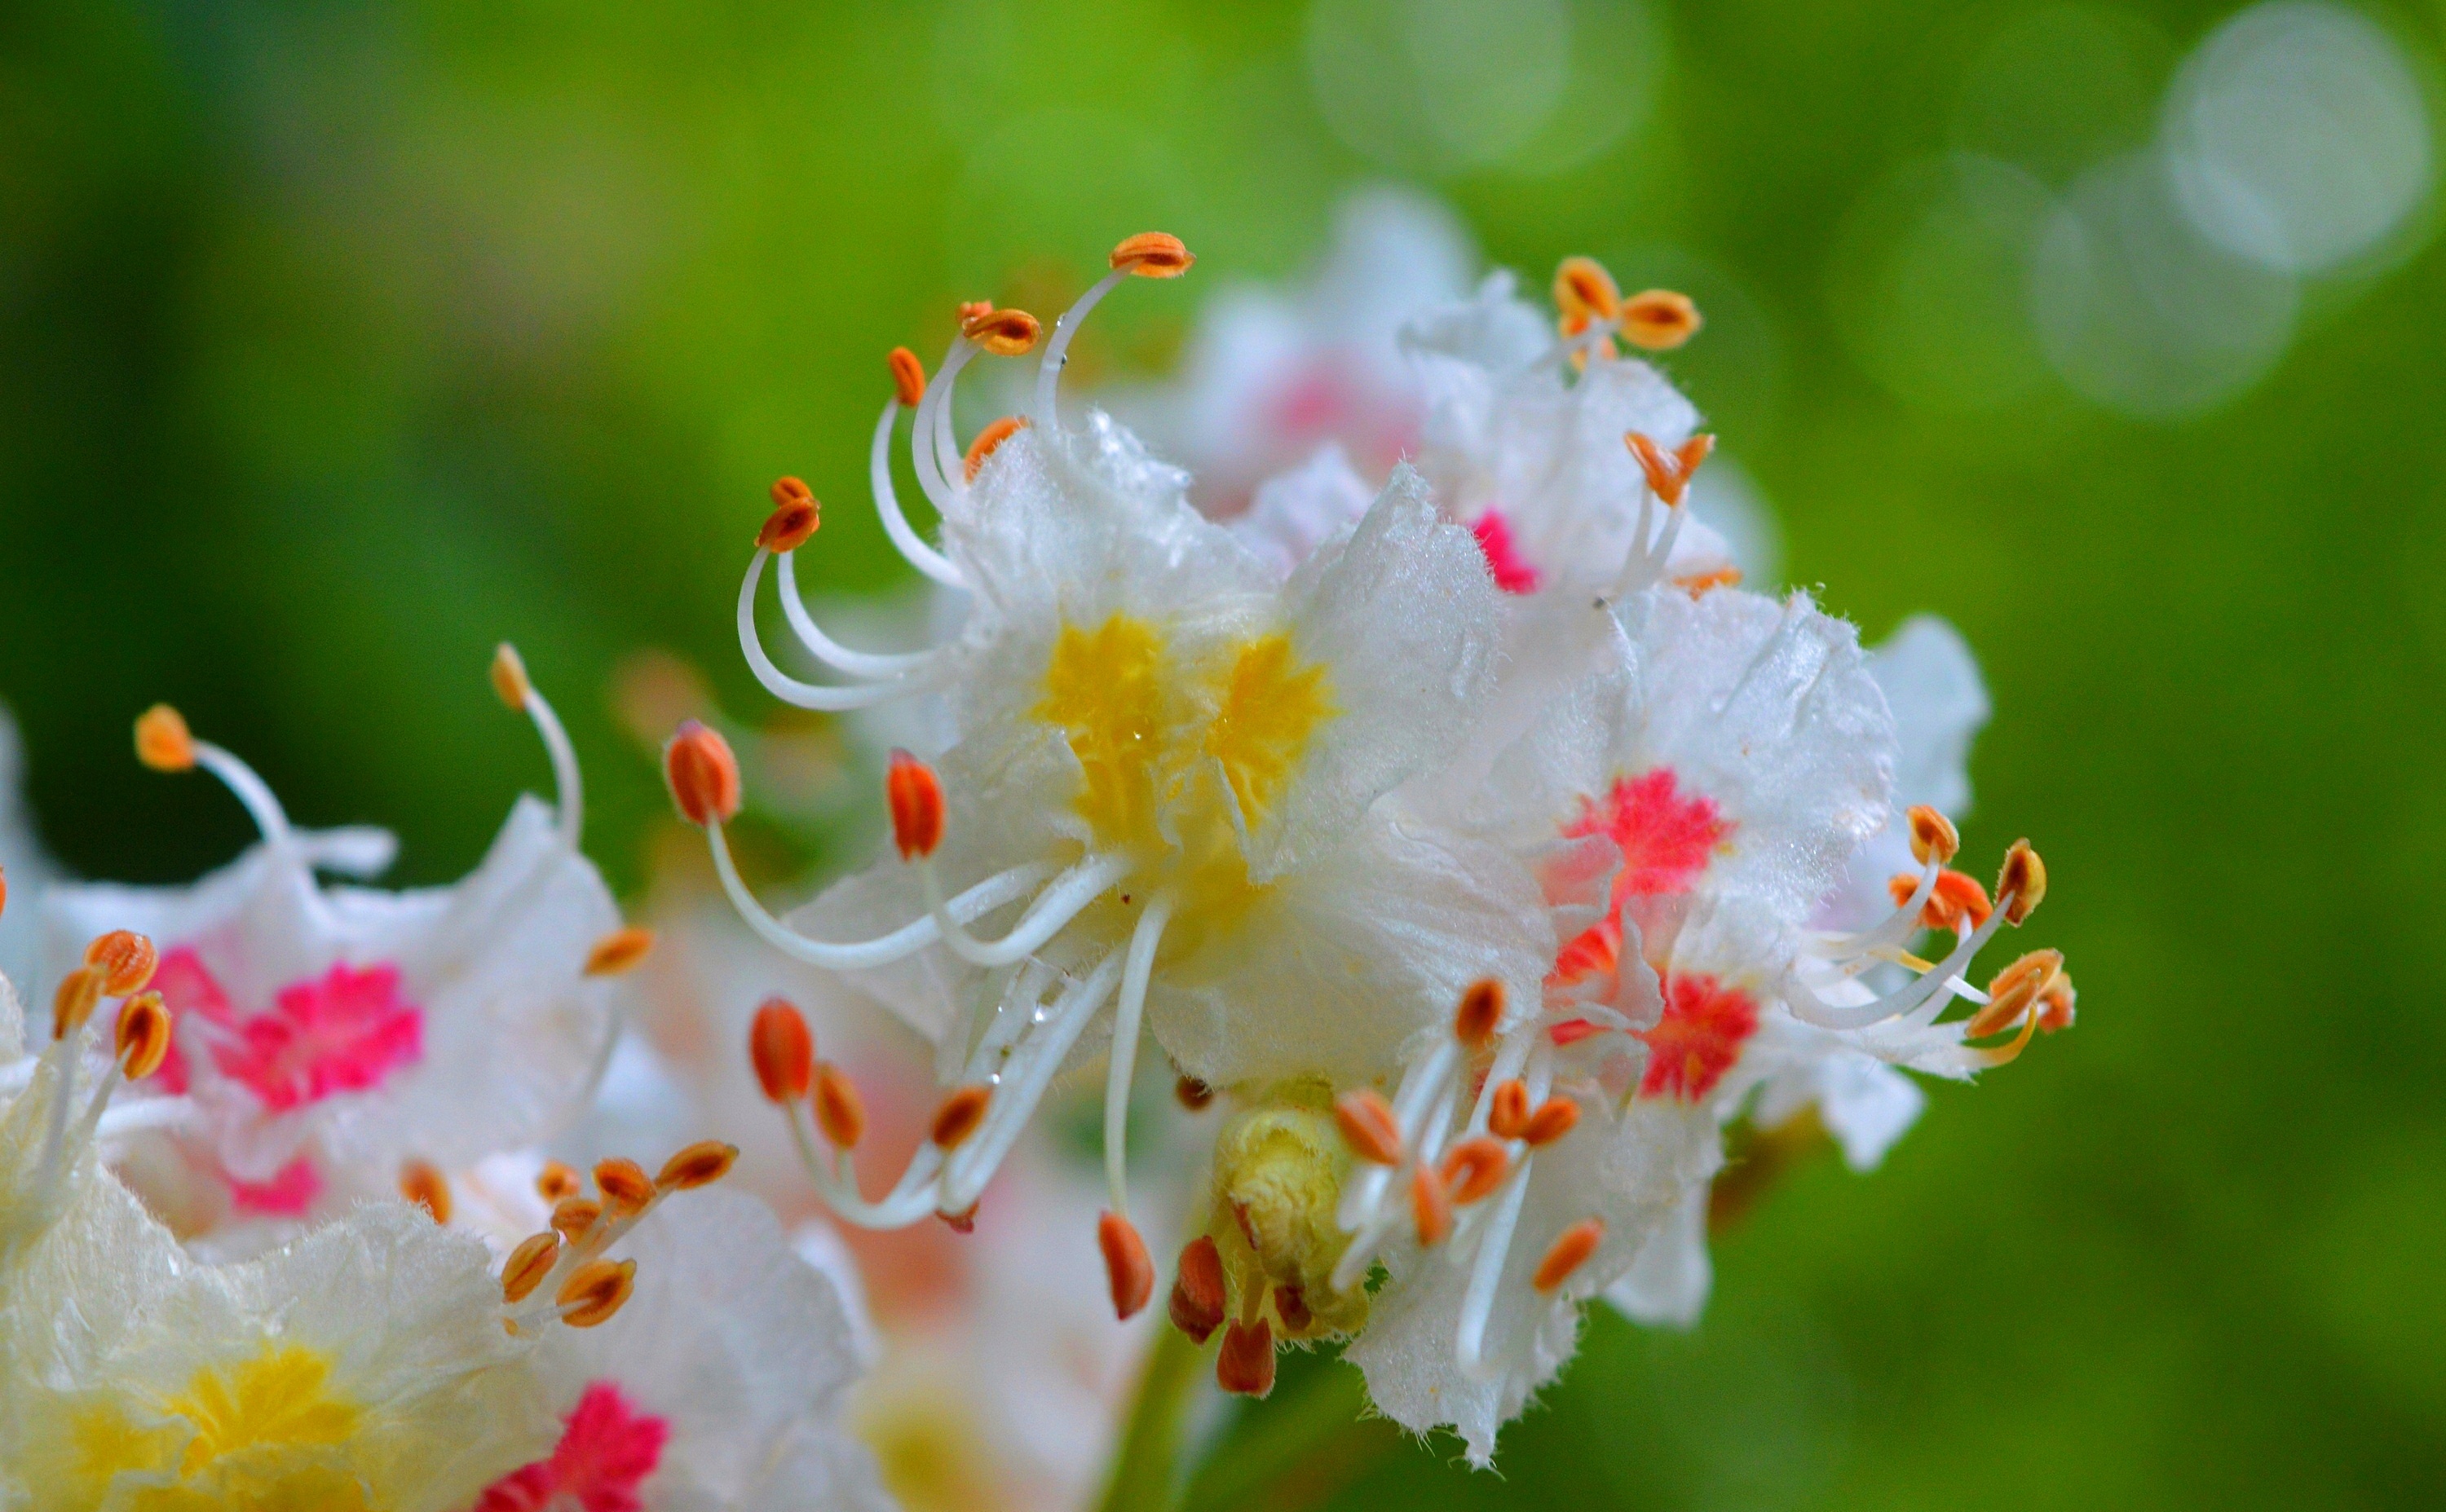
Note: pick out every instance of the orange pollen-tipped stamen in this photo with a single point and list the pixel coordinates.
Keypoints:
(619, 951)
(74, 1002)
(2055, 1004)
(697, 1165)
(1192, 1093)
(1570, 1251)
(703, 775)
(1669, 473)
(1554, 1117)
(1153, 255)
(959, 1116)
(2021, 884)
(1368, 1127)
(425, 1186)
(1126, 1265)
(796, 515)
(1657, 319)
(1583, 288)
(1197, 1293)
(528, 1265)
(1244, 1366)
(987, 441)
(1472, 1167)
(142, 1039)
(1508, 1114)
(596, 1291)
(1480, 1010)
(782, 1050)
(1431, 1206)
(509, 674)
(125, 959)
(162, 741)
(1957, 901)
(1698, 585)
(2015, 990)
(558, 1180)
(1003, 332)
(1932, 835)
(625, 1186)
(908, 377)
(573, 1215)
(914, 795)
(840, 1112)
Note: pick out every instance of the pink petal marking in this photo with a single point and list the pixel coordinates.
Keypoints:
(1705, 1026)
(345, 1032)
(291, 1193)
(1513, 571)
(187, 987)
(606, 1452)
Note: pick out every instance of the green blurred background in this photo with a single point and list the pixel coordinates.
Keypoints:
(342, 340)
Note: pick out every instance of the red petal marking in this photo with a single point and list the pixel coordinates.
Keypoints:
(1513, 571)
(1597, 950)
(290, 1193)
(1571, 1031)
(606, 1452)
(345, 1032)
(1698, 1039)
(1665, 836)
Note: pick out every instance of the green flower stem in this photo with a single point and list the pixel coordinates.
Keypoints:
(1146, 1471)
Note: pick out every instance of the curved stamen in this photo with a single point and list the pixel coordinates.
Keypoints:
(887, 505)
(1894, 928)
(1934, 986)
(911, 1198)
(1049, 367)
(789, 689)
(831, 652)
(1062, 901)
(929, 436)
(973, 1163)
(995, 892)
(249, 789)
(1495, 1246)
(569, 789)
(1125, 1059)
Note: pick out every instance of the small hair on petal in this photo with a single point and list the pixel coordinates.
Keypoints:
(620, 951)
(1153, 255)
(1658, 319)
(509, 674)
(703, 775)
(162, 741)
(908, 377)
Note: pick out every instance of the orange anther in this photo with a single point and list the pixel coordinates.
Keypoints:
(125, 959)
(703, 773)
(596, 1291)
(573, 1215)
(840, 1112)
(509, 674)
(1368, 1126)
(959, 1116)
(528, 1265)
(425, 1186)
(1584, 290)
(1126, 1265)
(74, 1002)
(987, 441)
(1291, 1307)
(556, 1182)
(619, 951)
(1554, 1117)
(625, 1186)
(1003, 332)
(794, 516)
(699, 1165)
(1657, 319)
(1698, 585)
(1472, 1168)
(1153, 255)
(162, 741)
(1932, 835)
(2015, 990)
(1570, 1251)
(1957, 903)
(974, 309)
(1480, 1011)
(782, 1050)
(914, 795)
(2055, 1004)
(1197, 1295)
(1508, 1114)
(2021, 884)
(1244, 1366)
(142, 1039)
(908, 377)
(1669, 473)
(1192, 1093)
(1431, 1206)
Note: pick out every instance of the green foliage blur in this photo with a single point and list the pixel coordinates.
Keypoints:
(340, 341)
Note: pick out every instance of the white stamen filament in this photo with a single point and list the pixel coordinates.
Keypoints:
(1031, 1070)
(789, 689)
(929, 436)
(1063, 900)
(1057, 350)
(1930, 988)
(1501, 1222)
(569, 789)
(1000, 888)
(1893, 929)
(249, 789)
(1125, 1059)
(887, 507)
(831, 653)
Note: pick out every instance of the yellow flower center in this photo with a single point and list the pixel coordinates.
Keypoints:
(269, 1435)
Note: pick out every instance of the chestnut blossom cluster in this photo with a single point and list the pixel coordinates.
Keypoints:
(1476, 841)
